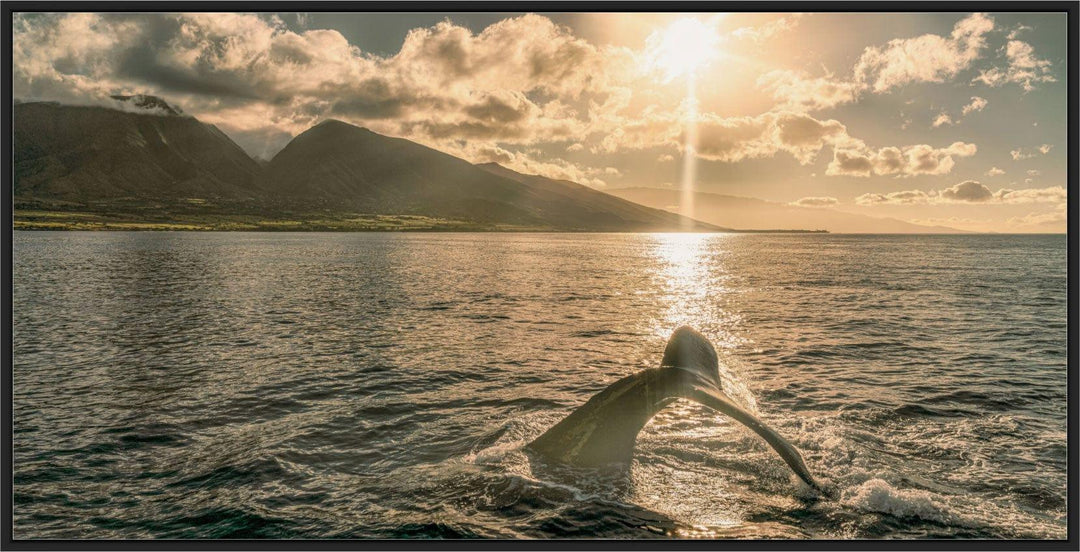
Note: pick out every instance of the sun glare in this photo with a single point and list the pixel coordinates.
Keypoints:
(683, 48)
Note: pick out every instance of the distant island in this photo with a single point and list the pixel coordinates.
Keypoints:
(148, 166)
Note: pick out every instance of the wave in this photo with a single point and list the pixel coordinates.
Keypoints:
(876, 495)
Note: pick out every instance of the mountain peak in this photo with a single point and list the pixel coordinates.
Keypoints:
(149, 103)
(335, 123)
(133, 149)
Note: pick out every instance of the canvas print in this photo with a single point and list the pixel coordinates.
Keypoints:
(539, 275)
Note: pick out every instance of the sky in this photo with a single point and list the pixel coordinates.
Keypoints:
(954, 119)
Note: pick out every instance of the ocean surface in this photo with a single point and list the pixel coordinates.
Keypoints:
(279, 385)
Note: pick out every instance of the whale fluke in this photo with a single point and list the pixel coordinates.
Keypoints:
(604, 429)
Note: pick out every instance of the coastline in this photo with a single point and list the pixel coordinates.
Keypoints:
(55, 220)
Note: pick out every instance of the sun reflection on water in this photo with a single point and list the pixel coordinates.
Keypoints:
(694, 286)
(693, 281)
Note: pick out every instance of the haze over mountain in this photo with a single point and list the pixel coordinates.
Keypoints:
(93, 153)
(757, 214)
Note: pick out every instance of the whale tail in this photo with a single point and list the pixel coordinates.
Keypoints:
(604, 429)
(689, 350)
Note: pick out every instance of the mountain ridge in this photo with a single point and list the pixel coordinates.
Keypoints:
(94, 152)
(346, 165)
(152, 156)
(146, 152)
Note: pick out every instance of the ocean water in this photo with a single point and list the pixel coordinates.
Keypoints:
(245, 385)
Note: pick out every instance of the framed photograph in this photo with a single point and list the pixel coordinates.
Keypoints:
(502, 275)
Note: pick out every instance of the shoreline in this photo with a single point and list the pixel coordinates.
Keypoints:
(45, 220)
(136, 227)
(520, 231)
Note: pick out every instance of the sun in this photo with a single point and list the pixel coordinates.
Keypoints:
(683, 48)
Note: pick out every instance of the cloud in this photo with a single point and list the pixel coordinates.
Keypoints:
(523, 53)
(815, 202)
(803, 136)
(1058, 217)
(956, 222)
(993, 77)
(942, 119)
(522, 80)
(558, 169)
(977, 104)
(493, 154)
(1015, 33)
(733, 139)
(1052, 194)
(1023, 68)
(907, 197)
(768, 30)
(519, 82)
(969, 191)
(62, 58)
(648, 130)
(736, 138)
(665, 158)
(994, 171)
(926, 58)
(797, 91)
(906, 161)
(850, 163)
(499, 116)
(1019, 154)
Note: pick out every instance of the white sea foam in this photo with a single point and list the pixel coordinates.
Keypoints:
(876, 495)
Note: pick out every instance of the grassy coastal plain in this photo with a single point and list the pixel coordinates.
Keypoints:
(327, 221)
(208, 215)
(301, 222)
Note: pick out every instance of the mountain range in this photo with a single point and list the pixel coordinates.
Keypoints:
(82, 153)
(149, 154)
(338, 164)
(143, 160)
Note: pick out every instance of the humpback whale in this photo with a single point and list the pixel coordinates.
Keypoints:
(604, 429)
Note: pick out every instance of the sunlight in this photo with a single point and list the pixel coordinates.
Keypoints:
(691, 274)
(683, 48)
(689, 161)
(691, 279)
